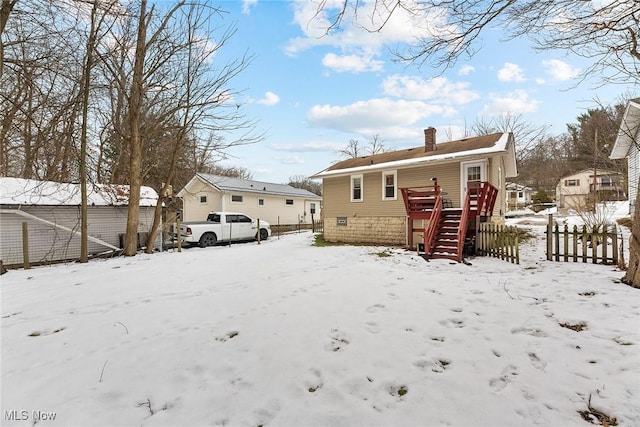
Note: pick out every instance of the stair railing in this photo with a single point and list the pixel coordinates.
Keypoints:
(432, 227)
(464, 220)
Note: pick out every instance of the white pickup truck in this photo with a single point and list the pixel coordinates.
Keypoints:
(223, 227)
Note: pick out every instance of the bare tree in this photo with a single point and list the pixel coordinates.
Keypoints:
(352, 150)
(184, 108)
(527, 135)
(606, 33)
(376, 145)
(5, 11)
(305, 183)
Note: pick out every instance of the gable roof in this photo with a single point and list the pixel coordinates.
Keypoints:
(479, 146)
(19, 191)
(589, 172)
(629, 129)
(226, 183)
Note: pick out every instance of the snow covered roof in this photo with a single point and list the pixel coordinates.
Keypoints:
(480, 146)
(629, 128)
(225, 183)
(18, 191)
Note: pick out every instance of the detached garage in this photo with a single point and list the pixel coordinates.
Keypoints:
(50, 213)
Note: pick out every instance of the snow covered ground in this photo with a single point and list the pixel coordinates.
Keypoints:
(288, 334)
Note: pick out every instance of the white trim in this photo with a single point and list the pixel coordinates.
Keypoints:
(361, 199)
(386, 173)
(463, 176)
(500, 146)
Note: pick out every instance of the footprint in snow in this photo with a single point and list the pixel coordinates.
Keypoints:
(375, 308)
(338, 341)
(452, 323)
(536, 361)
(372, 327)
(507, 375)
(227, 336)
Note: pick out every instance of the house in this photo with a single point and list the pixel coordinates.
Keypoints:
(627, 145)
(518, 196)
(274, 203)
(576, 191)
(392, 198)
(51, 212)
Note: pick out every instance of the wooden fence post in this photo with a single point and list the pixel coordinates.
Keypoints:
(549, 237)
(25, 246)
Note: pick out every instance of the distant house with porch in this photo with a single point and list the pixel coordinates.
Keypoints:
(627, 145)
(576, 191)
(51, 212)
(275, 203)
(518, 196)
(418, 195)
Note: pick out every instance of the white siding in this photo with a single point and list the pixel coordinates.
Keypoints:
(48, 243)
(634, 174)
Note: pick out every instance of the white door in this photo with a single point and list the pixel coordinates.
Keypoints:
(241, 227)
(472, 172)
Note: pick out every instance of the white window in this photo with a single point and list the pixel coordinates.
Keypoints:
(288, 202)
(260, 202)
(356, 188)
(312, 208)
(571, 182)
(203, 200)
(389, 185)
(236, 198)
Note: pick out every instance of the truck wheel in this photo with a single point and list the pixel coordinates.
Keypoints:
(208, 239)
(264, 234)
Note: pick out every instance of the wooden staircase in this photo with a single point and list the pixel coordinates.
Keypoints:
(447, 229)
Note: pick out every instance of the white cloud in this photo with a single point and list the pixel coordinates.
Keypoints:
(437, 88)
(465, 70)
(560, 70)
(246, 6)
(516, 102)
(387, 117)
(365, 33)
(511, 73)
(352, 63)
(269, 99)
(290, 160)
(311, 146)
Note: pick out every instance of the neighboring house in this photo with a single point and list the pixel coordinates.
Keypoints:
(627, 146)
(518, 196)
(576, 191)
(274, 203)
(371, 199)
(51, 211)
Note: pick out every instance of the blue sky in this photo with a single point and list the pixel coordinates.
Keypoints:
(312, 94)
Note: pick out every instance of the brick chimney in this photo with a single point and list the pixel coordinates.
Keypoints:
(430, 139)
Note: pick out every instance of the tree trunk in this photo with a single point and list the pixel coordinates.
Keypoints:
(135, 165)
(632, 278)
